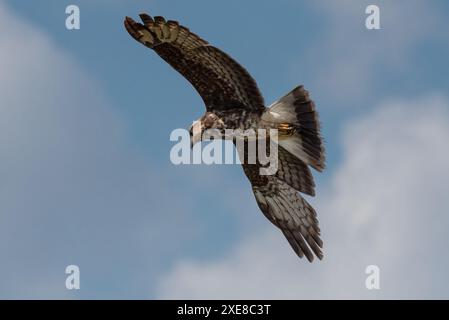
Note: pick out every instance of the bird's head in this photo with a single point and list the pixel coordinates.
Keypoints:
(209, 121)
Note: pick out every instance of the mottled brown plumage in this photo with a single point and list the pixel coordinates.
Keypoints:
(219, 79)
(233, 101)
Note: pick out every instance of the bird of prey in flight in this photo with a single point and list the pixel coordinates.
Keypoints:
(233, 101)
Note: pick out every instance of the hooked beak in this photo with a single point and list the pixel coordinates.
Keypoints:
(195, 133)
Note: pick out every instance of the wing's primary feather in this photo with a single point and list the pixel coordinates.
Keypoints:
(221, 81)
(286, 209)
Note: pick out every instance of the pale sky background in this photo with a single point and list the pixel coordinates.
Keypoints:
(85, 176)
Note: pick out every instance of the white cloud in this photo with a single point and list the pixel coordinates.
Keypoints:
(387, 205)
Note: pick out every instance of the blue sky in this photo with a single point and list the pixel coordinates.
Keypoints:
(84, 146)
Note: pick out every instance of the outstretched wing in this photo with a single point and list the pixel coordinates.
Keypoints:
(287, 210)
(221, 81)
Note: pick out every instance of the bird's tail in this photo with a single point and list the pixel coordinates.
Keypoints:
(297, 120)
